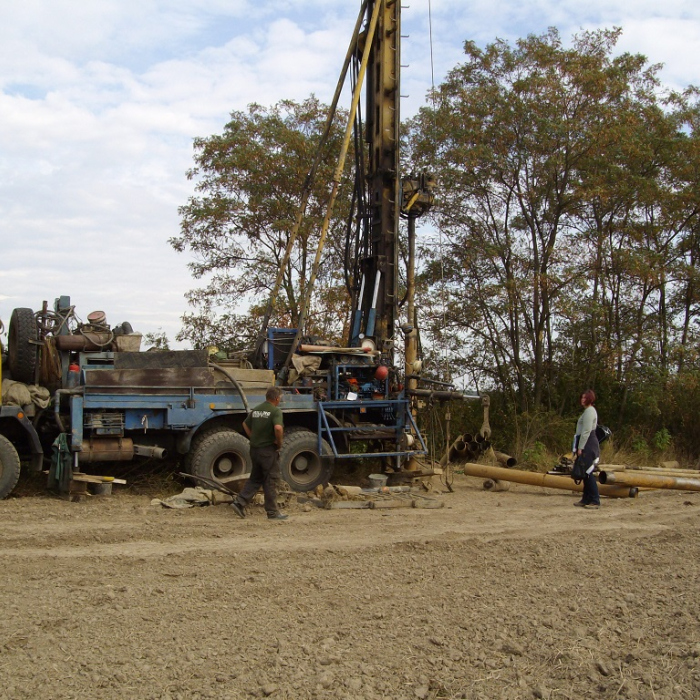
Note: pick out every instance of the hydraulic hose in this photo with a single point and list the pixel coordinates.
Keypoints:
(235, 383)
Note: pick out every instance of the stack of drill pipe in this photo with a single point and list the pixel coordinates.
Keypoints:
(468, 447)
(481, 443)
(477, 446)
(539, 479)
(646, 480)
(459, 451)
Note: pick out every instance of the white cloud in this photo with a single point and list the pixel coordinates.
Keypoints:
(99, 102)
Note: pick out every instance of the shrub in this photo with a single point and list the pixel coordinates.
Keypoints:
(662, 440)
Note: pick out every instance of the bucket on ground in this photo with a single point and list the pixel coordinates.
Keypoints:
(377, 481)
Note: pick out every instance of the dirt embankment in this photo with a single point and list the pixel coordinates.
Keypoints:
(496, 595)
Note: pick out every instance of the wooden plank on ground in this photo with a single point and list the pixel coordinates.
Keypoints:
(394, 503)
(93, 479)
(425, 503)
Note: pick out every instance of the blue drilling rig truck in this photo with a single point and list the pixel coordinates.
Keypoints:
(105, 400)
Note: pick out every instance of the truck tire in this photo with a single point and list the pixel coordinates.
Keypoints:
(21, 350)
(9, 467)
(302, 467)
(223, 455)
(197, 440)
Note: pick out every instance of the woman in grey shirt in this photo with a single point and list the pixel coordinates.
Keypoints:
(587, 449)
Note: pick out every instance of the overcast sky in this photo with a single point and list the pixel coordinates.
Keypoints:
(100, 101)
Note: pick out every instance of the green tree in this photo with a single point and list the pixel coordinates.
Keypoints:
(249, 185)
(157, 340)
(638, 224)
(563, 214)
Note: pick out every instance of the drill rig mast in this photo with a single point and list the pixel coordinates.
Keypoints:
(357, 390)
(375, 302)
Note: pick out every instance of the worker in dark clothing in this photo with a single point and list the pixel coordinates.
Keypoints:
(264, 428)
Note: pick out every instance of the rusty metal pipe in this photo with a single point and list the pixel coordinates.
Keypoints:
(650, 480)
(333, 349)
(452, 453)
(459, 446)
(655, 471)
(496, 485)
(150, 451)
(538, 479)
(440, 395)
(667, 472)
(83, 342)
(505, 460)
(661, 471)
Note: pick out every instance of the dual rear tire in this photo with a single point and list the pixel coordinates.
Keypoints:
(224, 455)
(300, 463)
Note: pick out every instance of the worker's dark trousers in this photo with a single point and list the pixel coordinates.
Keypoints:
(266, 474)
(591, 452)
(590, 490)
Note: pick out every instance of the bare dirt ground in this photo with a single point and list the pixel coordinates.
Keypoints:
(496, 595)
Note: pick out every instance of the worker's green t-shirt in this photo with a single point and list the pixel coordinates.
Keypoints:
(262, 421)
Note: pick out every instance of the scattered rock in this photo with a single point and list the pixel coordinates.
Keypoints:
(513, 648)
(602, 667)
(326, 680)
(354, 684)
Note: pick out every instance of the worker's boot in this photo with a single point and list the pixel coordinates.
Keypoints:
(238, 509)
